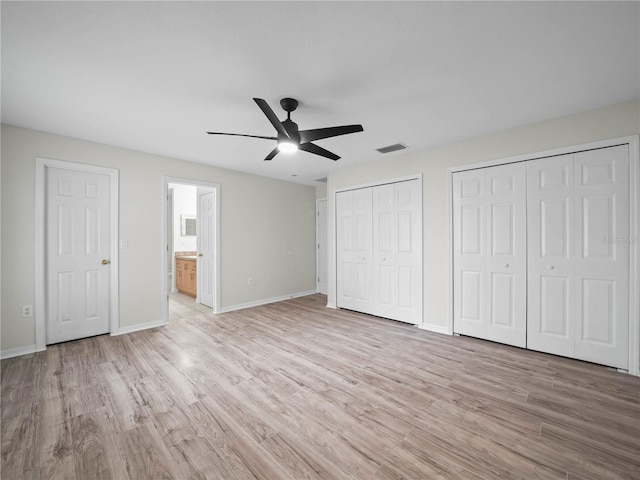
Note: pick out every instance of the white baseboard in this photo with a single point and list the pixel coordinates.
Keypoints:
(16, 352)
(436, 329)
(138, 327)
(265, 301)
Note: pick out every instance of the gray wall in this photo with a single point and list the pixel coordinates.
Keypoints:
(267, 229)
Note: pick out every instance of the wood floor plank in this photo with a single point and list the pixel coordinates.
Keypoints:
(295, 390)
(95, 452)
(145, 455)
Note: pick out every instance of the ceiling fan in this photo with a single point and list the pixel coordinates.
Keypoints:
(290, 138)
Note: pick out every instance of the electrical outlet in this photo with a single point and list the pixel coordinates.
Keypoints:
(250, 281)
(27, 311)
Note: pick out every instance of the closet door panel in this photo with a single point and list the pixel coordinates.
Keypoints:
(384, 228)
(345, 250)
(469, 253)
(490, 253)
(602, 260)
(408, 254)
(363, 250)
(505, 206)
(550, 270)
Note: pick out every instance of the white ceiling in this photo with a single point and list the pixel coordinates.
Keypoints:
(156, 76)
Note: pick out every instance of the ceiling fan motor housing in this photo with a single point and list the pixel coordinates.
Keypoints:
(289, 104)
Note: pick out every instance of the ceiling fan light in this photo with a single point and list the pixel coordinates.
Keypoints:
(287, 147)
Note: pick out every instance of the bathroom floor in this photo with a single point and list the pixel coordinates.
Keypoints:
(182, 306)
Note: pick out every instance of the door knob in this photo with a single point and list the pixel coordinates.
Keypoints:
(550, 267)
(199, 254)
(506, 265)
(105, 261)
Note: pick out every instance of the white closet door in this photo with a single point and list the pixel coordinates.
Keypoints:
(344, 250)
(506, 273)
(363, 250)
(489, 253)
(385, 282)
(408, 251)
(578, 265)
(469, 259)
(397, 251)
(379, 250)
(551, 269)
(354, 250)
(602, 256)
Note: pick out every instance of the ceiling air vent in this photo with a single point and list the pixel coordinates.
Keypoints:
(392, 148)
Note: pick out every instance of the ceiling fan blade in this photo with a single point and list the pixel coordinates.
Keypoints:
(272, 154)
(320, 133)
(266, 109)
(242, 135)
(311, 148)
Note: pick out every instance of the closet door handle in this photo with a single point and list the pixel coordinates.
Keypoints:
(550, 267)
(506, 265)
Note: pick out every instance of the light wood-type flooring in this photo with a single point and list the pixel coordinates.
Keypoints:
(294, 390)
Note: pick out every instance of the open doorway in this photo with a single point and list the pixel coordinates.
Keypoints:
(191, 229)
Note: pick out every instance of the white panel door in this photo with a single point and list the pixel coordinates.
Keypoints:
(579, 256)
(354, 250)
(469, 258)
(345, 284)
(379, 250)
(551, 254)
(206, 249)
(602, 256)
(363, 250)
(385, 282)
(321, 245)
(77, 254)
(506, 244)
(489, 225)
(408, 251)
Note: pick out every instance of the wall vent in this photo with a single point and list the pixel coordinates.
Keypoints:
(392, 148)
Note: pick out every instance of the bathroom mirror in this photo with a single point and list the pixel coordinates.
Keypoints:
(187, 225)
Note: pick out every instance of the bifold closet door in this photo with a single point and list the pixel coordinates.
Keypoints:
(354, 250)
(397, 251)
(578, 264)
(489, 233)
(379, 250)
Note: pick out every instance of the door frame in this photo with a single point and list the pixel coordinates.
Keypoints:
(318, 201)
(633, 141)
(166, 180)
(40, 319)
